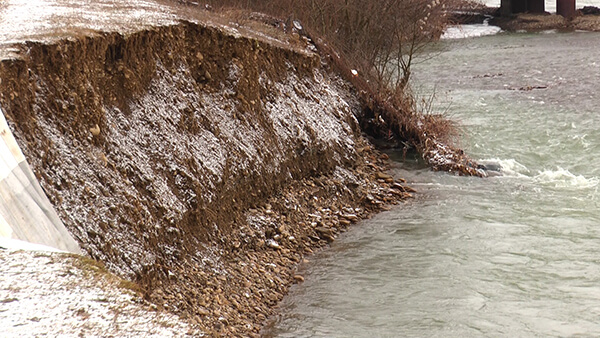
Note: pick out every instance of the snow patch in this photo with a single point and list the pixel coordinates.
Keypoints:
(46, 294)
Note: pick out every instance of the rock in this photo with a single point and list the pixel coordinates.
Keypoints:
(272, 244)
(383, 176)
(398, 192)
(314, 238)
(325, 233)
(403, 188)
(351, 217)
(95, 130)
(345, 222)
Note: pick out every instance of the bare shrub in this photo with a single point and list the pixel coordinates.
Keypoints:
(379, 40)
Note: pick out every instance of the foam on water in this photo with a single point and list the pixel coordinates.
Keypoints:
(563, 178)
(558, 178)
(508, 167)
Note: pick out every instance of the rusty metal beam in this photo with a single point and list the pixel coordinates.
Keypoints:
(536, 6)
(565, 8)
(505, 7)
(519, 6)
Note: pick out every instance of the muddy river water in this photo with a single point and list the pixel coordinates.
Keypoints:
(516, 255)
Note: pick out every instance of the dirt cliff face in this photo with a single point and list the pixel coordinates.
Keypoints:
(152, 144)
(160, 148)
(196, 161)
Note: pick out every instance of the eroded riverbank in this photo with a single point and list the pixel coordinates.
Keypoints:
(543, 22)
(586, 18)
(199, 158)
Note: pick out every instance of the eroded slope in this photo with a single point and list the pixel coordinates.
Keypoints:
(196, 161)
(150, 144)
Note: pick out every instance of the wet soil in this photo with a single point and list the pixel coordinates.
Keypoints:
(202, 161)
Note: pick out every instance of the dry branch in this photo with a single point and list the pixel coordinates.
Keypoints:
(379, 40)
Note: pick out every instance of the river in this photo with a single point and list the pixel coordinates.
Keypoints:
(516, 255)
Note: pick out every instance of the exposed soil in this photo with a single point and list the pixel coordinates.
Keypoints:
(198, 162)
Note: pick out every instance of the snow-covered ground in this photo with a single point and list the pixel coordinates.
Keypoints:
(50, 294)
(15, 244)
(39, 20)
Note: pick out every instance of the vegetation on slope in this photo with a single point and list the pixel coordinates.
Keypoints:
(373, 45)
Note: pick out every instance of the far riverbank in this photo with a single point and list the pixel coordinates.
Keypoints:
(586, 19)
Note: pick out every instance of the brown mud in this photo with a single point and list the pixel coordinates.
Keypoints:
(198, 162)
